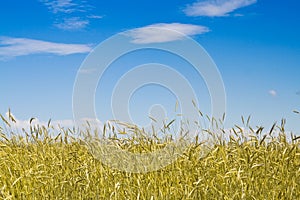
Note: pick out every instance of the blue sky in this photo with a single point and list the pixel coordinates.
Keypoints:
(255, 45)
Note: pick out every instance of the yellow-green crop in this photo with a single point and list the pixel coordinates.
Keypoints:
(38, 165)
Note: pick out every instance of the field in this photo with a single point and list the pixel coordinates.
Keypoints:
(249, 164)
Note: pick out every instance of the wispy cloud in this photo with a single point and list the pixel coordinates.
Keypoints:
(87, 71)
(95, 16)
(151, 34)
(71, 14)
(73, 23)
(63, 6)
(19, 124)
(273, 93)
(216, 8)
(13, 47)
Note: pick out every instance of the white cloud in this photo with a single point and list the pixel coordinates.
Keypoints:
(273, 93)
(95, 16)
(13, 47)
(88, 71)
(151, 34)
(73, 23)
(67, 123)
(216, 8)
(69, 13)
(61, 6)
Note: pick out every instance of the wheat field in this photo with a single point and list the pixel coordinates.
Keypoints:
(40, 165)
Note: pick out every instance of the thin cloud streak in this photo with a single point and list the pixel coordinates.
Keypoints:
(70, 14)
(61, 6)
(216, 8)
(150, 34)
(95, 16)
(13, 47)
(57, 124)
(73, 23)
(87, 71)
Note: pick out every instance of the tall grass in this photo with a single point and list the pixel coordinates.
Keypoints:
(242, 164)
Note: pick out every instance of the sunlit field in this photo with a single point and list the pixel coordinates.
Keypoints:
(243, 163)
(149, 100)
